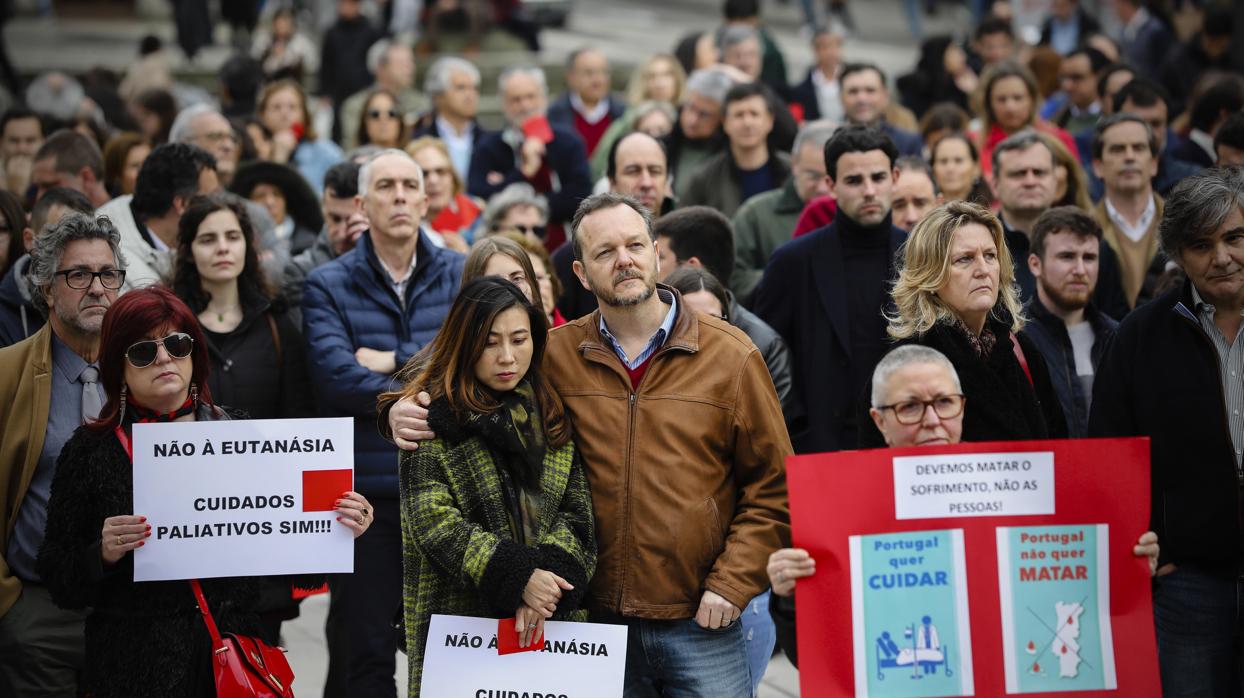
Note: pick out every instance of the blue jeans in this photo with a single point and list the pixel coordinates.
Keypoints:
(1198, 620)
(760, 636)
(679, 659)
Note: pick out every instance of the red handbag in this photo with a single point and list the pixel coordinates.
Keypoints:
(244, 666)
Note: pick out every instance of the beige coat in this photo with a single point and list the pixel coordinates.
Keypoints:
(25, 397)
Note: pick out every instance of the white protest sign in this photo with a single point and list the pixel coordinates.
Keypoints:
(243, 497)
(973, 484)
(579, 660)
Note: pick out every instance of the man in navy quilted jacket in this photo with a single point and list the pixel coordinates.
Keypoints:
(364, 315)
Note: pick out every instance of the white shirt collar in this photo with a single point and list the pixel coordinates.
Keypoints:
(1134, 232)
(1204, 140)
(156, 242)
(447, 130)
(593, 115)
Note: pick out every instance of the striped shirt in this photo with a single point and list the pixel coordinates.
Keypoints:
(1231, 369)
(654, 343)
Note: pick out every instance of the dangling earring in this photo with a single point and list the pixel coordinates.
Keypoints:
(194, 394)
(121, 410)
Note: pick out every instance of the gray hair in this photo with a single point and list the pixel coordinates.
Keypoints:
(1198, 206)
(365, 168)
(736, 34)
(378, 54)
(600, 202)
(901, 357)
(518, 194)
(815, 133)
(55, 94)
(535, 72)
(180, 132)
(437, 81)
(710, 83)
(50, 244)
(1020, 140)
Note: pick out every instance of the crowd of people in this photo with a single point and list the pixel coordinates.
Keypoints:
(578, 349)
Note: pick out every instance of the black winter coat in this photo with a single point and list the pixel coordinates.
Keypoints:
(803, 295)
(343, 58)
(1002, 403)
(260, 368)
(1161, 378)
(142, 638)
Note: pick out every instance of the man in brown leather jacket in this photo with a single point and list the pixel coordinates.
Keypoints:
(684, 445)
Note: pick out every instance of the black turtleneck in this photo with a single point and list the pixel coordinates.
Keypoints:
(866, 258)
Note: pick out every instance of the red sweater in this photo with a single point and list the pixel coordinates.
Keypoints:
(591, 133)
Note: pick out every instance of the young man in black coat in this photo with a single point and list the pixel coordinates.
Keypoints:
(825, 292)
(1173, 374)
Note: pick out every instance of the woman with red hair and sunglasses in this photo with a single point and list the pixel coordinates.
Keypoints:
(142, 638)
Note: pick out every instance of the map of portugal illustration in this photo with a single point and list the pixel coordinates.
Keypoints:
(1066, 643)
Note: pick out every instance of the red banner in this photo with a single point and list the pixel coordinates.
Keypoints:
(978, 569)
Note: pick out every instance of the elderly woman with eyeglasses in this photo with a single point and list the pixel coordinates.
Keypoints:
(916, 400)
(142, 638)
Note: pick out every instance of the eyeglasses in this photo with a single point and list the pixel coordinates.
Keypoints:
(911, 412)
(377, 113)
(81, 279)
(537, 230)
(143, 354)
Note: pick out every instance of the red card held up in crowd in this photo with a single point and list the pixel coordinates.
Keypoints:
(322, 488)
(507, 639)
(538, 127)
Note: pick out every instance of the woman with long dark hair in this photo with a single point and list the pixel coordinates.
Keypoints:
(258, 360)
(496, 513)
(142, 638)
(256, 352)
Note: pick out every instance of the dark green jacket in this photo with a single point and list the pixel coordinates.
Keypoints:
(761, 225)
(459, 557)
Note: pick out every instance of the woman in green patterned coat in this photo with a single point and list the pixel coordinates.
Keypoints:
(496, 513)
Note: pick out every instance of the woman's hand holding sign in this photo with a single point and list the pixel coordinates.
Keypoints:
(355, 512)
(120, 535)
(529, 623)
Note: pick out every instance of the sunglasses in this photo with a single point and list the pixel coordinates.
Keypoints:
(376, 113)
(536, 230)
(143, 354)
